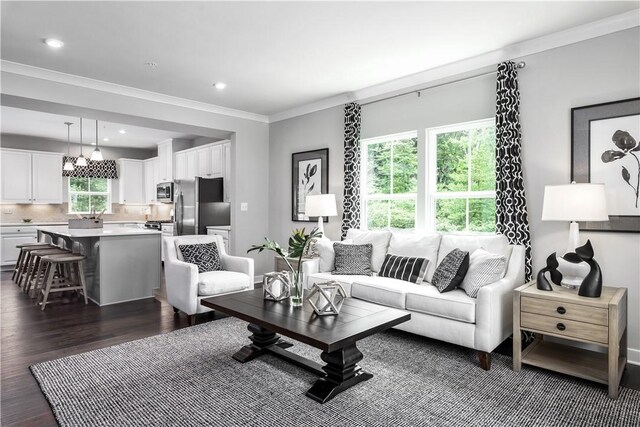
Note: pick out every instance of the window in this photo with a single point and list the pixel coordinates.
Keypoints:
(462, 178)
(390, 182)
(87, 194)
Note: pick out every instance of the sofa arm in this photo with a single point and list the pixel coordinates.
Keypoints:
(494, 305)
(311, 266)
(239, 265)
(182, 285)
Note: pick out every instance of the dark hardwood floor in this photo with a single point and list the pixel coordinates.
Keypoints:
(29, 336)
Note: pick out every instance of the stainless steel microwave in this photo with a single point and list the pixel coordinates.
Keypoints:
(165, 192)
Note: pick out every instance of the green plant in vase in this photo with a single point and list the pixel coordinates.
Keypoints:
(298, 243)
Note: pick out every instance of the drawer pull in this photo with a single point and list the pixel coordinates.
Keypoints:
(561, 326)
(561, 310)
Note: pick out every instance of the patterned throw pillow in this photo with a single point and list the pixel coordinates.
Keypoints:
(409, 269)
(451, 271)
(484, 268)
(352, 259)
(204, 255)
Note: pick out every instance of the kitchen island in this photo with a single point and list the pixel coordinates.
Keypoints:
(123, 263)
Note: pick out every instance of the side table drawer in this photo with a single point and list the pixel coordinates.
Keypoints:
(565, 327)
(565, 310)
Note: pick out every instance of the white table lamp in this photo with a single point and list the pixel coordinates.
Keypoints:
(574, 202)
(320, 205)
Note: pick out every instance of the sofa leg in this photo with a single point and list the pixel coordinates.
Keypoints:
(176, 310)
(191, 319)
(485, 360)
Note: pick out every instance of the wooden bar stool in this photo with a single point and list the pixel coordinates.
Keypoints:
(25, 258)
(73, 282)
(20, 260)
(35, 271)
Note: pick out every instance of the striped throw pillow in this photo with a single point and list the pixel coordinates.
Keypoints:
(409, 269)
(484, 268)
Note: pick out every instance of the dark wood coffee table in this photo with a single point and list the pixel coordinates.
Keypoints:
(336, 336)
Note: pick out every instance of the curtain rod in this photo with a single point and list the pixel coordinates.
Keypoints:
(520, 65)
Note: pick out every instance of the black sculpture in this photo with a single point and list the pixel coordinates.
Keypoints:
(556, 277)
(592, 284)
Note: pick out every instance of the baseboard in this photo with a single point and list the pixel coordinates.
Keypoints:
(633, 356)
(258, 279)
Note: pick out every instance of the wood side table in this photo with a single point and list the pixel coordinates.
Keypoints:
(562, 313)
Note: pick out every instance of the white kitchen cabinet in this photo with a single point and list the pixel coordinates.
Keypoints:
(31, 177)
(151, 180)
(190, 159)
(180, 163)
(217, 162)
(131, 181)
(12, 236)
(165, 161)
(203, 161)
(226, 170)
(47, 178)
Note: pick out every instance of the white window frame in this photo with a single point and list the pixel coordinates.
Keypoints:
(365, 197)
(89, 193)
(432, 170)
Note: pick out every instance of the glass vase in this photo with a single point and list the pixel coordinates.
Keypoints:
(296, 297)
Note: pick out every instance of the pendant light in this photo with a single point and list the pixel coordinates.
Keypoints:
(68, 166)
(81, 160)
(96, 155)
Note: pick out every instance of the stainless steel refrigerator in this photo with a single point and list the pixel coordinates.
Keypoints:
(198, 204)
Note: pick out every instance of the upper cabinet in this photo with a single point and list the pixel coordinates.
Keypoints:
(151, 180)
(165, 161)
(131, 181)
(207, 162)
(31, 177)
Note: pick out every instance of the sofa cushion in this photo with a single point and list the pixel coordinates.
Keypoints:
(344, 280)
(326, 254)
(352, 259)
(222, 282)
(484, 268)
(379, 240)
(451, 271)
(204, 255)
(407, 268)
(418, 245)
(454, 305)
(494, 243)
(382, 290)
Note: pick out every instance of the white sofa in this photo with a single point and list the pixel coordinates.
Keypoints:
(186, 287)
(480, 323)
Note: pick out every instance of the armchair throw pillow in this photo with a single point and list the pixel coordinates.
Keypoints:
(204, 255)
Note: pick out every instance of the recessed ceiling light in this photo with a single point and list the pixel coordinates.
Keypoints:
(122, 131)
(57, 44)
(220, 85)
(105, 139)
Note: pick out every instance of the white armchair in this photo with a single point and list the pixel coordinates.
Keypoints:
(186, 287)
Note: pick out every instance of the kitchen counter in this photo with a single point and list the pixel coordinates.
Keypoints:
(219, 227)
(107, 231)
(17, 224)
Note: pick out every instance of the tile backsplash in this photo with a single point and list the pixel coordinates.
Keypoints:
(58, 213)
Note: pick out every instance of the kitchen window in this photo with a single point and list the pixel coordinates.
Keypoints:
(89, 194)
(462, 178)
(390, 181)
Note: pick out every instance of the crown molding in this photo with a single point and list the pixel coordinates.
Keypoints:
(573, 35)
(100, 85)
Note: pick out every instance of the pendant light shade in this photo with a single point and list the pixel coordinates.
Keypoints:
(96, 156)
(81, 161)
(68, 166)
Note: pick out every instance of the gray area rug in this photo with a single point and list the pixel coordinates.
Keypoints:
(188, 378)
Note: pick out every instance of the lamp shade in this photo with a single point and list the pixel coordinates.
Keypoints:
(575, 202)
(320, 205)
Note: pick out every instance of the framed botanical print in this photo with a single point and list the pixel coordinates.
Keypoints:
(310, 176)
(606, 149)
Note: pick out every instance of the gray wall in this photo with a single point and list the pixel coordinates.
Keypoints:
(552, 83)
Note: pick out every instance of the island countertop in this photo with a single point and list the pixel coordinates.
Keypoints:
(107, 231)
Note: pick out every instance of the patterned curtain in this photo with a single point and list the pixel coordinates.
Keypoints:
(351, 202)
(511, 204)
(94, 169)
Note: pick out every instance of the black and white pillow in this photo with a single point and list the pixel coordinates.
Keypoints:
(204, 255)
(484, 268)
(451, 271)
(352, 259)
(409, 269)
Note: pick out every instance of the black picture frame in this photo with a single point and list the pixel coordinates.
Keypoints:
(299, 160)
(581, 119)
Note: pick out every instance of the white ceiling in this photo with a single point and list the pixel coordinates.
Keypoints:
(51, 126)
(274, 56)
